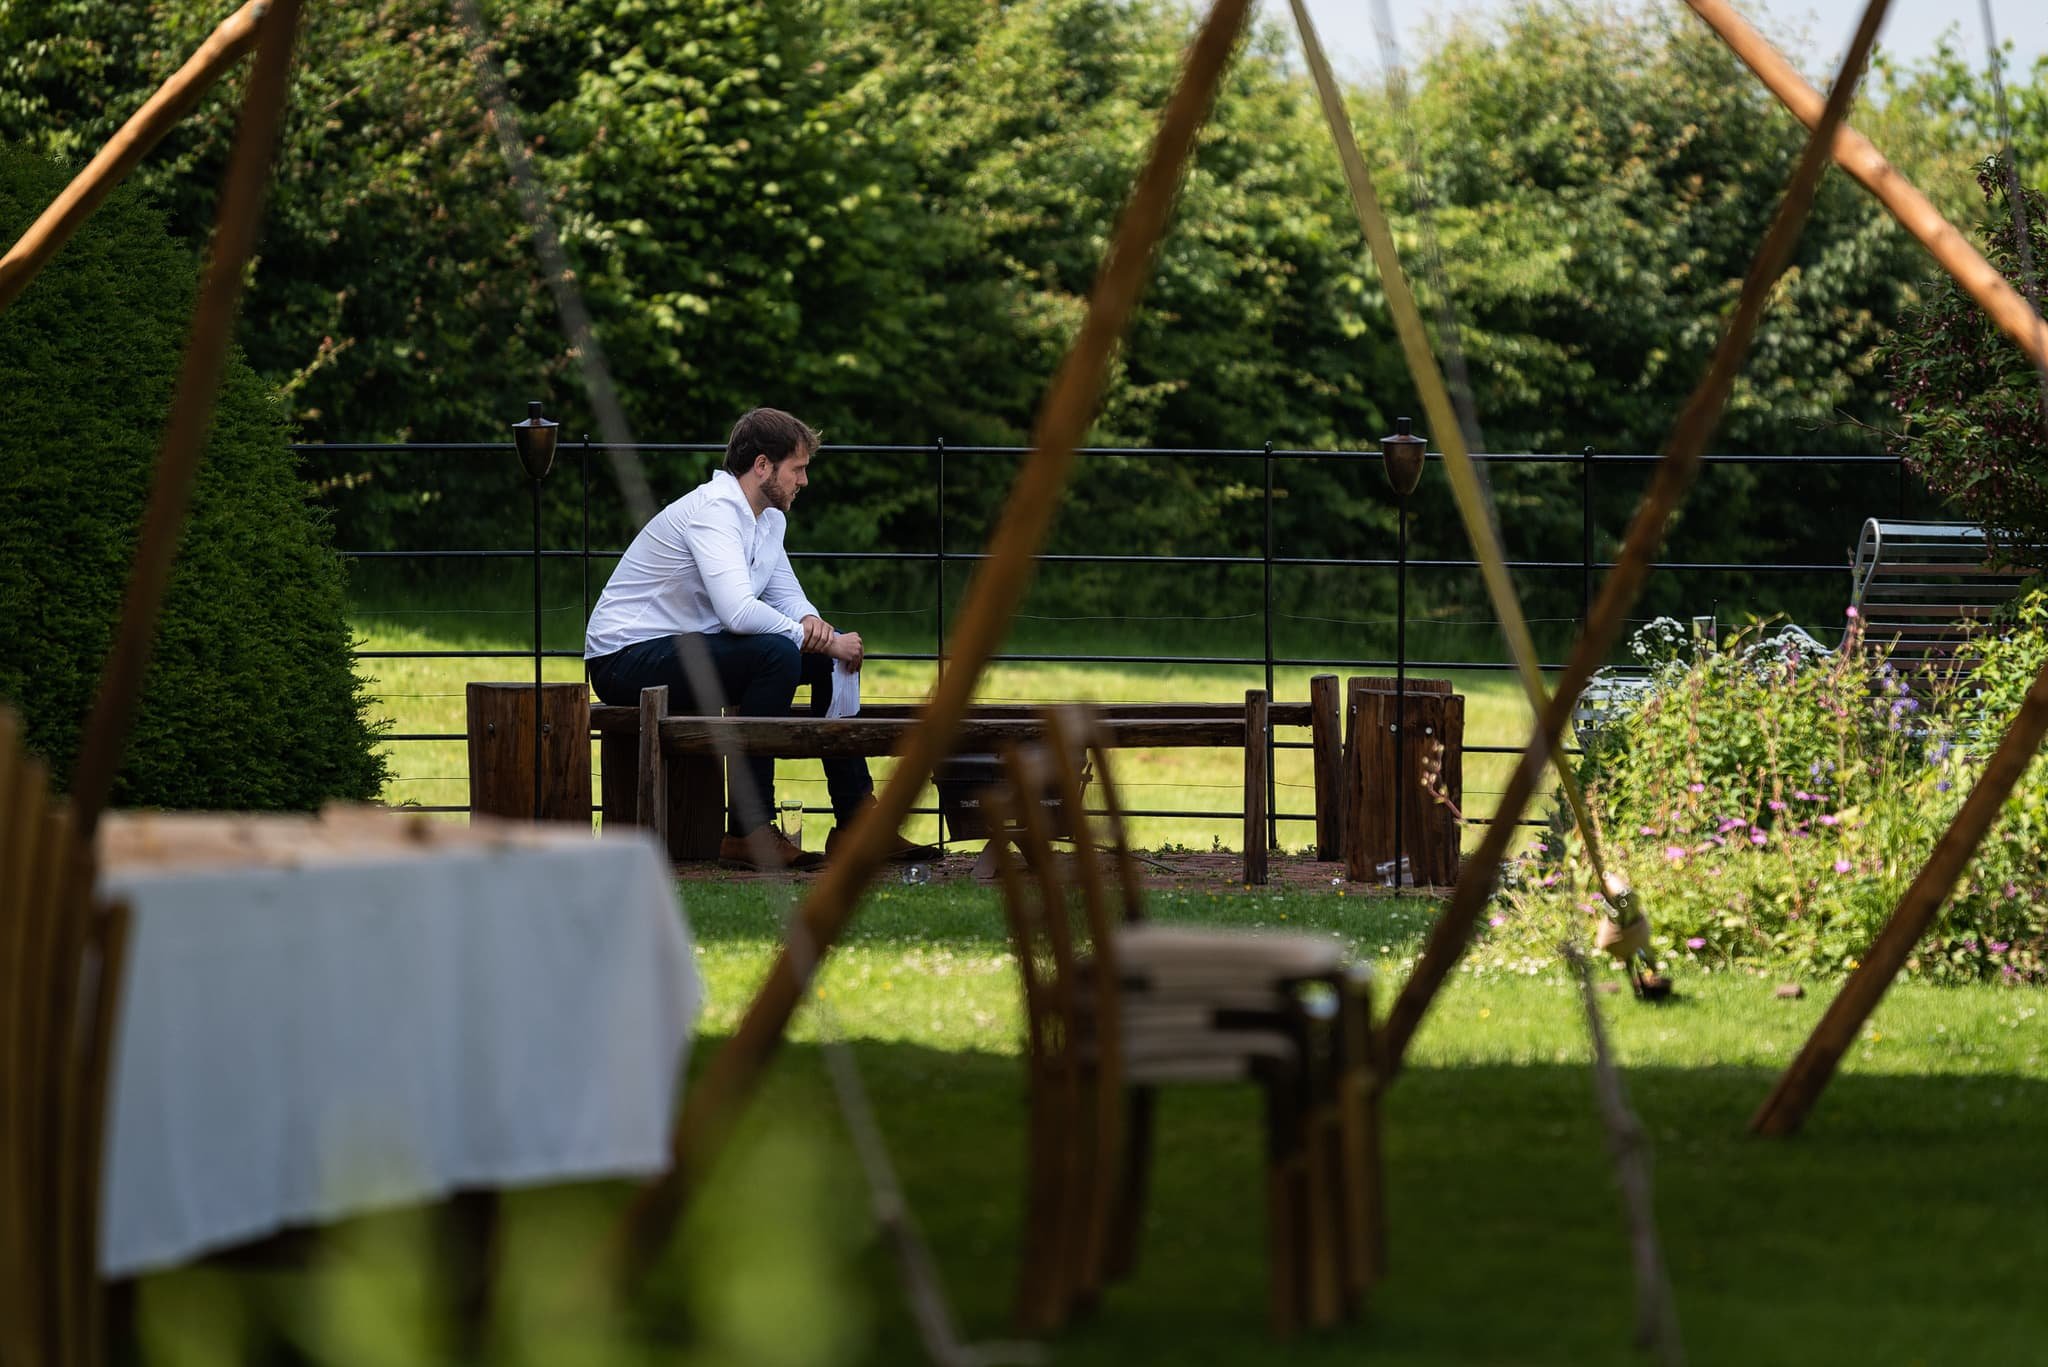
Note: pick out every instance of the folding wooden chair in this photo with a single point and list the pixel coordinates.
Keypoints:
(1116, 1007)
(61, 956)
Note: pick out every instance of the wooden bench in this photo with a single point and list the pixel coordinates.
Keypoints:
(663, 771)
(1923, 588)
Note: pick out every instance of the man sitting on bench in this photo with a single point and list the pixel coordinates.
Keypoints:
(708, 580)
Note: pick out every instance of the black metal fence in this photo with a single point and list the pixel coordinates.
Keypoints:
(1814, 505)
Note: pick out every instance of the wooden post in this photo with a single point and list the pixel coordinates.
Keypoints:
(619, 755)
(501, 751)
(650, 787)
(696, 806)
(1356, 867)
(1326, 734)
(1434, 717)
(1255, 752)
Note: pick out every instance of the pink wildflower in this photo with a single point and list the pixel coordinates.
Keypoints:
(1674, 852)
(1757, 837)
(1843, 866)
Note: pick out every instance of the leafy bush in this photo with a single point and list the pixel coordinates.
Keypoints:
(1772, 802)
(1971, 400)
(251, 700)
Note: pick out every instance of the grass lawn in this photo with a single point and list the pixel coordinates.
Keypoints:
(1907, 1225)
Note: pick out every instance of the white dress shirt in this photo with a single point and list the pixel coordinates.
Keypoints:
(704, 564)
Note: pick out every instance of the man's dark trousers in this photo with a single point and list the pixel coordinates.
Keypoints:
(759, 676)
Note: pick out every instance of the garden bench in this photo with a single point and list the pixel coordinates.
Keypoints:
(663, 771)
(1925, 587)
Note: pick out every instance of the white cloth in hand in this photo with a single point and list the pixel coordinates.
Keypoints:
(845, 691)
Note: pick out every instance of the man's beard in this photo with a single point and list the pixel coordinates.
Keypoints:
(778, 495)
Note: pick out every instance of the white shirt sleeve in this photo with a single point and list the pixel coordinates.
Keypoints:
(719, 547)
(783, 593)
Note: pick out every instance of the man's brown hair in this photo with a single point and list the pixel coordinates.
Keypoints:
(766, 432)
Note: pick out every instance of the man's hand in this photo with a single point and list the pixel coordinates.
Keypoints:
(817, 634)
(846, 647)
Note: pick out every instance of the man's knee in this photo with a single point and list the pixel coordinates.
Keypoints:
(767, 673)
(779, 658)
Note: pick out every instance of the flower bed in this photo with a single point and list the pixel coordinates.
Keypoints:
(1771, 801)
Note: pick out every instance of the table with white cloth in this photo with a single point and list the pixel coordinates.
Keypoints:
(328, 1015)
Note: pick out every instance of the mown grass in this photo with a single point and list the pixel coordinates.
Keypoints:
(1905, 1225)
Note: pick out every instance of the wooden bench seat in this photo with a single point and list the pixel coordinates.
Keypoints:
(1923, 588)
(663, 771)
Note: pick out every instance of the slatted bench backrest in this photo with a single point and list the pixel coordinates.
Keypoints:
(1923, 587)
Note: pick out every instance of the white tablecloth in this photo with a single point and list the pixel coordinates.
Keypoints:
(322, 1025)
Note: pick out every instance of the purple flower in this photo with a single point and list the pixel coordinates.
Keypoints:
(1674, 852)
(2000, 946)
(1696, 942)
(1496, 921)
(1776, 805)
(1851, 614)
(1733, 823)
(1695, 787)
(1648, 830)
(1805, 796)
(2012, 889)
(1830, 819)
(1843, 866)
(1942, 786)
(1758, 837)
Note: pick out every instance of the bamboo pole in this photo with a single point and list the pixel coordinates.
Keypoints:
(1668, 487)
(1785, 1109)
(1064, 418)
(177, 463)
(1861, 159)
(145, 128)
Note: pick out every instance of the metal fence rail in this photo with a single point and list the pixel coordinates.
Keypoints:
(1889, 493)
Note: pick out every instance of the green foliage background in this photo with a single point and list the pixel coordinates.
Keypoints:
(250, 700)
(885, 215)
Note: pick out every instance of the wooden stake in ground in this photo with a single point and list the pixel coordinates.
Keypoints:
(1668, 487)
(143, 131)
(177, 462)
(1785, 1109)
(1656, 1315)
(992, 599)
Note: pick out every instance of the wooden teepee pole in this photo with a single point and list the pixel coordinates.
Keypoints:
(1856, 155)
(1785, 1109)
(1064, 417)
(177, 462)
(143, 131)
(1459, 468)
(1673, 477)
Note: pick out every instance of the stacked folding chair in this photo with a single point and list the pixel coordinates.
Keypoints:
(60, 968)
(1116, 1007)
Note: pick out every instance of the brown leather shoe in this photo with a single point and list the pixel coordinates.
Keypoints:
(767, 850)
(901, 852)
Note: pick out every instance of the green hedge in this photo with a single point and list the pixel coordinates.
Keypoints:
(251, 701)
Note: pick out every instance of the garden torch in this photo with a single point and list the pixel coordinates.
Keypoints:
(535, 440)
